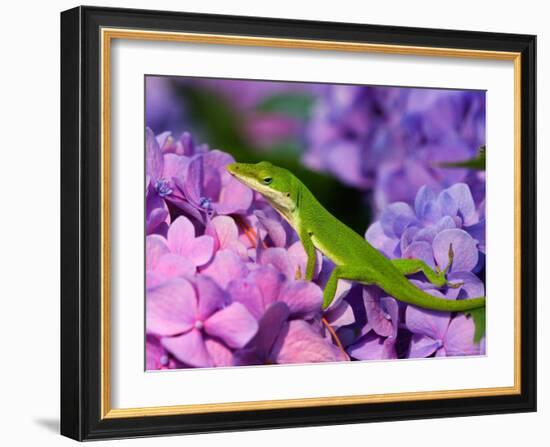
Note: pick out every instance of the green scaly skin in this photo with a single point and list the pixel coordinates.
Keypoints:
(354, 257)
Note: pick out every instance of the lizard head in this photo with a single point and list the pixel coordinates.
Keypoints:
(273, 182)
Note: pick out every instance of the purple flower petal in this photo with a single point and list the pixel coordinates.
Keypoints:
(459, 339)
(155, 218)
(376, 236)
(344, 160)
(464, 248)
(154, 163)
(189, 348)
(381, 311)
(211, 297)
(279, 259)
(447, 204)
(372, 347)
(472, 286)
(171, 307)
(274, 229)
(396, 218)
(423, 346)
(477, 231)
(269, 327)
(461, 194)
(235, 198)
(407, 237)
(194, 176)
(420, 250)
(304, 298)
(445, 223)
(225, 267)
(425, 205)
(426, 322)
(246, 292)
(300, 343)
(425, 234)
(340, 315)
(269, 282)
(174, 166)
(298, 258)
(233, 324)
(218, 160)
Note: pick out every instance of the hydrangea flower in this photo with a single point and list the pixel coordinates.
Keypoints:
(197, 322)
(392, 140)
(436, 223)
(224, 272)
(177, 254)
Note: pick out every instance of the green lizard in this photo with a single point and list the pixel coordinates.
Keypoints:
(354, 257)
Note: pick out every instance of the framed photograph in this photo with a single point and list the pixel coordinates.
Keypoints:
(273, 223)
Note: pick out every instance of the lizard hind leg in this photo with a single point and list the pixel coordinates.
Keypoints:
(412, 266)
(352, 273)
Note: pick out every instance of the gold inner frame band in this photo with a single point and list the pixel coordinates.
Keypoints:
(107, 35)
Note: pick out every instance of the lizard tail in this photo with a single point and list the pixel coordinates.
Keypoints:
(418, 297)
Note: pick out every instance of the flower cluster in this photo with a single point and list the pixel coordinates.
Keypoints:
(392, 140)
(224, 273)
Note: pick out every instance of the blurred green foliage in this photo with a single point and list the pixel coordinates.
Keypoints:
(297, 105)
(215, 121)
(477, 163)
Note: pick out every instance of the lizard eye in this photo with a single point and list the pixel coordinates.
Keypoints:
(267, 180)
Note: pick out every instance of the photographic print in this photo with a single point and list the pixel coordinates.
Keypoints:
(259, 202)
(298, 222)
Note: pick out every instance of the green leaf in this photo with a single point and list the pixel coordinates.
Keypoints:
(478, 315)
(478, 162)
(297, 105)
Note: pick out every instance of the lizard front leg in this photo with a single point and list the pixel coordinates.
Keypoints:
(309, 248)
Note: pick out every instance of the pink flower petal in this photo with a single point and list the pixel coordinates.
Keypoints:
(171, 265)
(220, 354)
(246, 292)
(298, 257)
(235, 198)
(269, 281)
(189, 348)
(174, 166)
(200, 251)
(171, 307)
(155, 248)
(233, 324)
(278, 258)
(304, 298)
(224, 230)
(300, 343)
(226, 267)
(459, 339)
(181, 235)
(211, 297)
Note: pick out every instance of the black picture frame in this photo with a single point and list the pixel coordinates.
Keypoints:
(81, 223)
